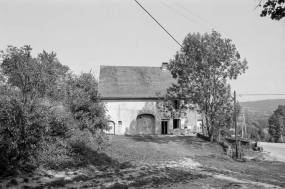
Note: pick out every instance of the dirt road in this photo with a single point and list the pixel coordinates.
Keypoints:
(276, 149)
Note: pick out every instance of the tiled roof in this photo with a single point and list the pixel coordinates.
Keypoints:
(133, 82)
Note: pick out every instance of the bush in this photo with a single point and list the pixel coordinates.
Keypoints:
(80, 140)
(21, 132)
(225, 132)
(47, 116)
(60, 120)
(55, 154)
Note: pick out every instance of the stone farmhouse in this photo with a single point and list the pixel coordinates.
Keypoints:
(130, 94)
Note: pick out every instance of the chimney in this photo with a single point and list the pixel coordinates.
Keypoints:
(164, 66)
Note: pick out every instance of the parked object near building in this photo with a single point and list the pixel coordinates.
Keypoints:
(130, 94)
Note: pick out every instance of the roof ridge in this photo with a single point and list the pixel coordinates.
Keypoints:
(131, 66)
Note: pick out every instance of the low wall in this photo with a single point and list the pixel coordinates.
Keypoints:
(243, 142)
(206, 138)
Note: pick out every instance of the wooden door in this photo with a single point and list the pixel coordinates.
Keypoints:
(145, 124)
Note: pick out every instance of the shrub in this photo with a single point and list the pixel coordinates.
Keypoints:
(55, 154)
(60, 121)
(21, 132)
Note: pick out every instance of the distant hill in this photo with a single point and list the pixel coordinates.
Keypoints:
(263, 105)
(259, 111)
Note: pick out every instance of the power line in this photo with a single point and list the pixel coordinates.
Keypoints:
(159, 24)
(209, 24)
(182, 14)
(193, 14)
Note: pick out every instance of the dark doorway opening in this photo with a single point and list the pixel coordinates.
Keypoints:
(176, 123)
(164, 127)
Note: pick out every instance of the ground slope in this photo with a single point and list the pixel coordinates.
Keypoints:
(160, 162)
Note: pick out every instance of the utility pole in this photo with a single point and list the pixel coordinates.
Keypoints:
(244, 125)
(235, 120)
(242, 130)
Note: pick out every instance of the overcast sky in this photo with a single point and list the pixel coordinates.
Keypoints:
(87, 34)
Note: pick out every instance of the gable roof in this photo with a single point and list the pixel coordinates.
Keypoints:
(127, 82)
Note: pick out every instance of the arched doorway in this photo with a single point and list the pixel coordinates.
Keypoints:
(145, 124)
(112, 130)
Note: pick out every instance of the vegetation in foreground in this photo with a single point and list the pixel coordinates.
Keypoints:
(49, 116)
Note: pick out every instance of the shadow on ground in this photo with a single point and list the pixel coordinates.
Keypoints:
(85, 156)
(164, 139)
(144, 176)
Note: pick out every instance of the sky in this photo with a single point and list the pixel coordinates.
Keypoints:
(88, 33)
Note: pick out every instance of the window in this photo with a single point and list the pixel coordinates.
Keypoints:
(120, 123)
(176, 123)
(176, 104)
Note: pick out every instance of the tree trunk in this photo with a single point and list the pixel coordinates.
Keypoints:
(219, 135)
(210, 134)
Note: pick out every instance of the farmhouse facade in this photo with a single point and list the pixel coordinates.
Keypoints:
(130, 95)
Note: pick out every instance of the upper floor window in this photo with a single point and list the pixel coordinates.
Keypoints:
(176, 104)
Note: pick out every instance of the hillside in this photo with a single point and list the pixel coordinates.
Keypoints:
(263, 105)
(259, 111)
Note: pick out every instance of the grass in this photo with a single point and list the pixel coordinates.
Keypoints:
(154, 162)
(152, 148)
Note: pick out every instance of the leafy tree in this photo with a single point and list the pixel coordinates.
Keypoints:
(276, 123)
(53, 75)
(253, 132)
(84, 103)
(201, 69)
(26, 81)
(274, 8)
(34, 77)
(44, 107)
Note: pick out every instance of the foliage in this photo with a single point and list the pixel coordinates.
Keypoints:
(201, 68)
(55, 154)
(34, 77)
(23, 118)
(276, 123)
(225, 132)
(252, 132)
(84, 103)
(60, 153)
(20, 133)
(43, 111)
(274, 8)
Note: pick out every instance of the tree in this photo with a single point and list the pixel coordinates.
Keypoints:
(274, 8)
(25, 82)
(276, 125)
(201, 68)
(85, 104)
(34, 77)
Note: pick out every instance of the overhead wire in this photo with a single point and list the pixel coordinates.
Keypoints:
(183, 15)
(207, 23)
(159, 24)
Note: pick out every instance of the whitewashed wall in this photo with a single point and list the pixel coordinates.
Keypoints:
(127, 112)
